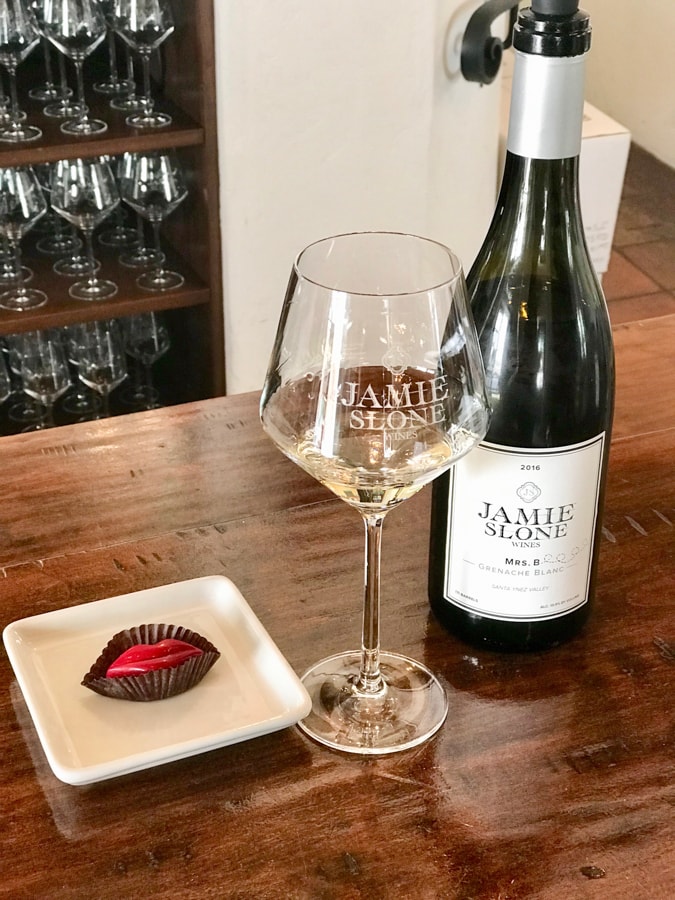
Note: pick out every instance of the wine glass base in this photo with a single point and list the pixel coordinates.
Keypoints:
(81, 404)
(141, 258)
(120, 236)
(97, 289)
(410, 710)
(18, 134)
(84, 127)
(129, 104)
(163, 280)
(75, 266)
(62, 109)
(114, 87)
(57, 245)
(45, 93)
(149, 120)
(9, 277)
(20, 300)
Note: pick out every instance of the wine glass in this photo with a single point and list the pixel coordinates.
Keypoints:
(375, 386)
(144, 25)
(76, 28)
(81, 401)
(146, 341)
(120, 234)
(154, 189)
(101, 361)
(84, 192)
(18, 38)
(22, 203)
(60, 237)
(44, 372)
(113, 85)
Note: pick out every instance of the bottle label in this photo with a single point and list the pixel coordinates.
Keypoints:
(521, 546)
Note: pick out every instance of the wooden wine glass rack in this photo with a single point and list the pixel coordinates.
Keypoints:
(184, 86)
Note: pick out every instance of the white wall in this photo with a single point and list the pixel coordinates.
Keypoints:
(338, 116)
(631, 69)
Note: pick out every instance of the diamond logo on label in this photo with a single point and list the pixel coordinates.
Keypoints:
(528, 492)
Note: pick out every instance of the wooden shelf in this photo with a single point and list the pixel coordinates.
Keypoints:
(184, 86)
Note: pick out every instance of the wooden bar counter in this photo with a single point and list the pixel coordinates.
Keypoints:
(553, 777)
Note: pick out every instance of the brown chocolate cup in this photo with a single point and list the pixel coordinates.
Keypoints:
(160, 683)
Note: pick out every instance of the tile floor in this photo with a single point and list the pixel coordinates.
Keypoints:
(640, 281)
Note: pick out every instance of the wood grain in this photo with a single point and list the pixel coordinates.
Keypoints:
(553, 777)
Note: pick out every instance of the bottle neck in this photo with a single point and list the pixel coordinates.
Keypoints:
(547, 106)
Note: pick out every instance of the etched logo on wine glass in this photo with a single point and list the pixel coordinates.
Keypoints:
(396, 360)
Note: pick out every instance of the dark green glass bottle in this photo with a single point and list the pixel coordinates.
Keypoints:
(516, 524)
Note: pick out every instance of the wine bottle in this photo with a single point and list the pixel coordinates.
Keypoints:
(516, 524)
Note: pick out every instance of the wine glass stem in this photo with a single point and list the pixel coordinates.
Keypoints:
(79, 69)
(15, 244)
(14, 97)
(48, 404)
(112, 57)
(49, 74)
(370, 679)
(147, 93)
(63, 77)
(89, 245)
(156, 226)
(105, 398)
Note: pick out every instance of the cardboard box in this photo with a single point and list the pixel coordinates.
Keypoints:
(602, 165)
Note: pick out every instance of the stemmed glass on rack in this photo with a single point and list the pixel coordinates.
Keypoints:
(59, 237)
(76, 28)
(84, 192)
(101, 359)
(44, 372)
(154, 189)
(18, 38)
(146, 340)
(113, 86)
(61, 107)
(22, 203)
(375, 386)
(144, 25)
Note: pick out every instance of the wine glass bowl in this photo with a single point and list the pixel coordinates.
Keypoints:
(375, 386)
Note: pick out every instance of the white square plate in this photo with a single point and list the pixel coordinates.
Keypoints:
(250, 691)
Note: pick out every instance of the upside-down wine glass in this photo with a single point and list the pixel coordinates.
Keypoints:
(375, 386)
(76, 28)
(154, 189)
(144, 25)
(22, 203)
(84, 192)
(18, 38)
(44, 372)
(101, 361)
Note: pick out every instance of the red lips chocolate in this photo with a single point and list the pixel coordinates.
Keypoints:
(151, 662)
(142, 658)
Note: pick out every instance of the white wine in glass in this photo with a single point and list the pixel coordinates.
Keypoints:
(375, 387)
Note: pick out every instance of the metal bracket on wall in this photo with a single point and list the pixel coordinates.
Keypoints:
(481, 51)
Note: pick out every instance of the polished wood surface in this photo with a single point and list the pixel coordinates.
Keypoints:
(553, 777)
